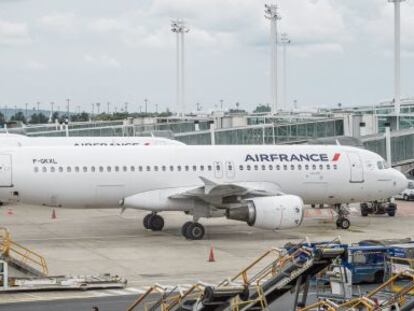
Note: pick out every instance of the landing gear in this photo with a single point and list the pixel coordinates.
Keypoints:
(193, 230)
(342, 222)
(379, 208)
(153, 222)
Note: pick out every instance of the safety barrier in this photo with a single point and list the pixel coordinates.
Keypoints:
(20, 255)
(397, 266)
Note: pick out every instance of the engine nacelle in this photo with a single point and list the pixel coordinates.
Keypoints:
(276, 212)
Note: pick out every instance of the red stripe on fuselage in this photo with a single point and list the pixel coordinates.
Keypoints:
(336, 157)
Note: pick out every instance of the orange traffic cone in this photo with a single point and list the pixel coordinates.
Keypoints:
(211, 254)
(53, 214)
(9, 211)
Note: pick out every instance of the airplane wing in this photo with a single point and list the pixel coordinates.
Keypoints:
(221, 196)
(212, 192)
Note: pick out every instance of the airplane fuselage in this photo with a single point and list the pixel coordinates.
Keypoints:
(101, 177)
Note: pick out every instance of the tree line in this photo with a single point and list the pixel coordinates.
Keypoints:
(41, 118)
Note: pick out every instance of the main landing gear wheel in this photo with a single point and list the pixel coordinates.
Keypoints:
(153, 222)
(185, 226)
(343, 223)
(145, 221)
(193, 231)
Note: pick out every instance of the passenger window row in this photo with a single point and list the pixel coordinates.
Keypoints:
(181, 168)
(125, 169)
(285, 167)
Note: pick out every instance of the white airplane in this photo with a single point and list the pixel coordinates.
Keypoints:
(264, 186)
(21, 140)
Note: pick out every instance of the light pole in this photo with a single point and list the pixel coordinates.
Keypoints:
(178, 26)
(107, 106)
(68, 108)
(285, 42)
(146, 105)
(272, 14)
(221, 104)
(51, 110)
(397, 56)
(93, 109)
(38, 106)
(126, 107)
(25, 111)
(156, 108)
(98, 108)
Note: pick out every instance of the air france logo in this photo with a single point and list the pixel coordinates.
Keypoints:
(283, 157)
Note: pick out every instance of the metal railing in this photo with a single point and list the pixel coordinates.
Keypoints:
(11, 249)
(274, 254)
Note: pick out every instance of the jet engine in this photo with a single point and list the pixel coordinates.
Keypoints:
(275, 212)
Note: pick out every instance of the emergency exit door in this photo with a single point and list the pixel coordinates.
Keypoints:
(5, 170)
(357, 171)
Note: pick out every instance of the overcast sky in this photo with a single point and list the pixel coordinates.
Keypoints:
(123, 51)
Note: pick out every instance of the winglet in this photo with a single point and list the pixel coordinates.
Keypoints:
(208, 184)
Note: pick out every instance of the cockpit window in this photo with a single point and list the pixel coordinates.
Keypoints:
(411, 185)
(380, 165)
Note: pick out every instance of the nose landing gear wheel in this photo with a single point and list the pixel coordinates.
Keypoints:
(343, 223)
(153, 222)
(193, 231)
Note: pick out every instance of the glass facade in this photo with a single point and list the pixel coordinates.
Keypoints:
(267, 133)
(402, 147)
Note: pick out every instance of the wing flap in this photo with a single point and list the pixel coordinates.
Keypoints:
(212, 191)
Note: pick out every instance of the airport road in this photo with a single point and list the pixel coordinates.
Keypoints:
(83, 242)
(113, 303)
(118, 303)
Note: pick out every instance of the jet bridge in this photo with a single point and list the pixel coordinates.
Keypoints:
(256, 287)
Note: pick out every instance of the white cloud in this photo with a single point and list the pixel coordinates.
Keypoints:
(309, 50)
(36, 65)
(101, 60)
(12, 33)
(62, 22)
(106, 24)
(315, 22)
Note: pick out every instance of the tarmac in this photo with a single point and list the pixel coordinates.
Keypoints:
(87, 242)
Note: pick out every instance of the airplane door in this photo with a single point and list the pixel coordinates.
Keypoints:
(357, 172)
(5, 170)
(218, 169)
(230, 170)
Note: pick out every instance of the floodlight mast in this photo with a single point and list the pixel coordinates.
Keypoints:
(397, 57)
(272, 14)
(285, 41)
(179, 28)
